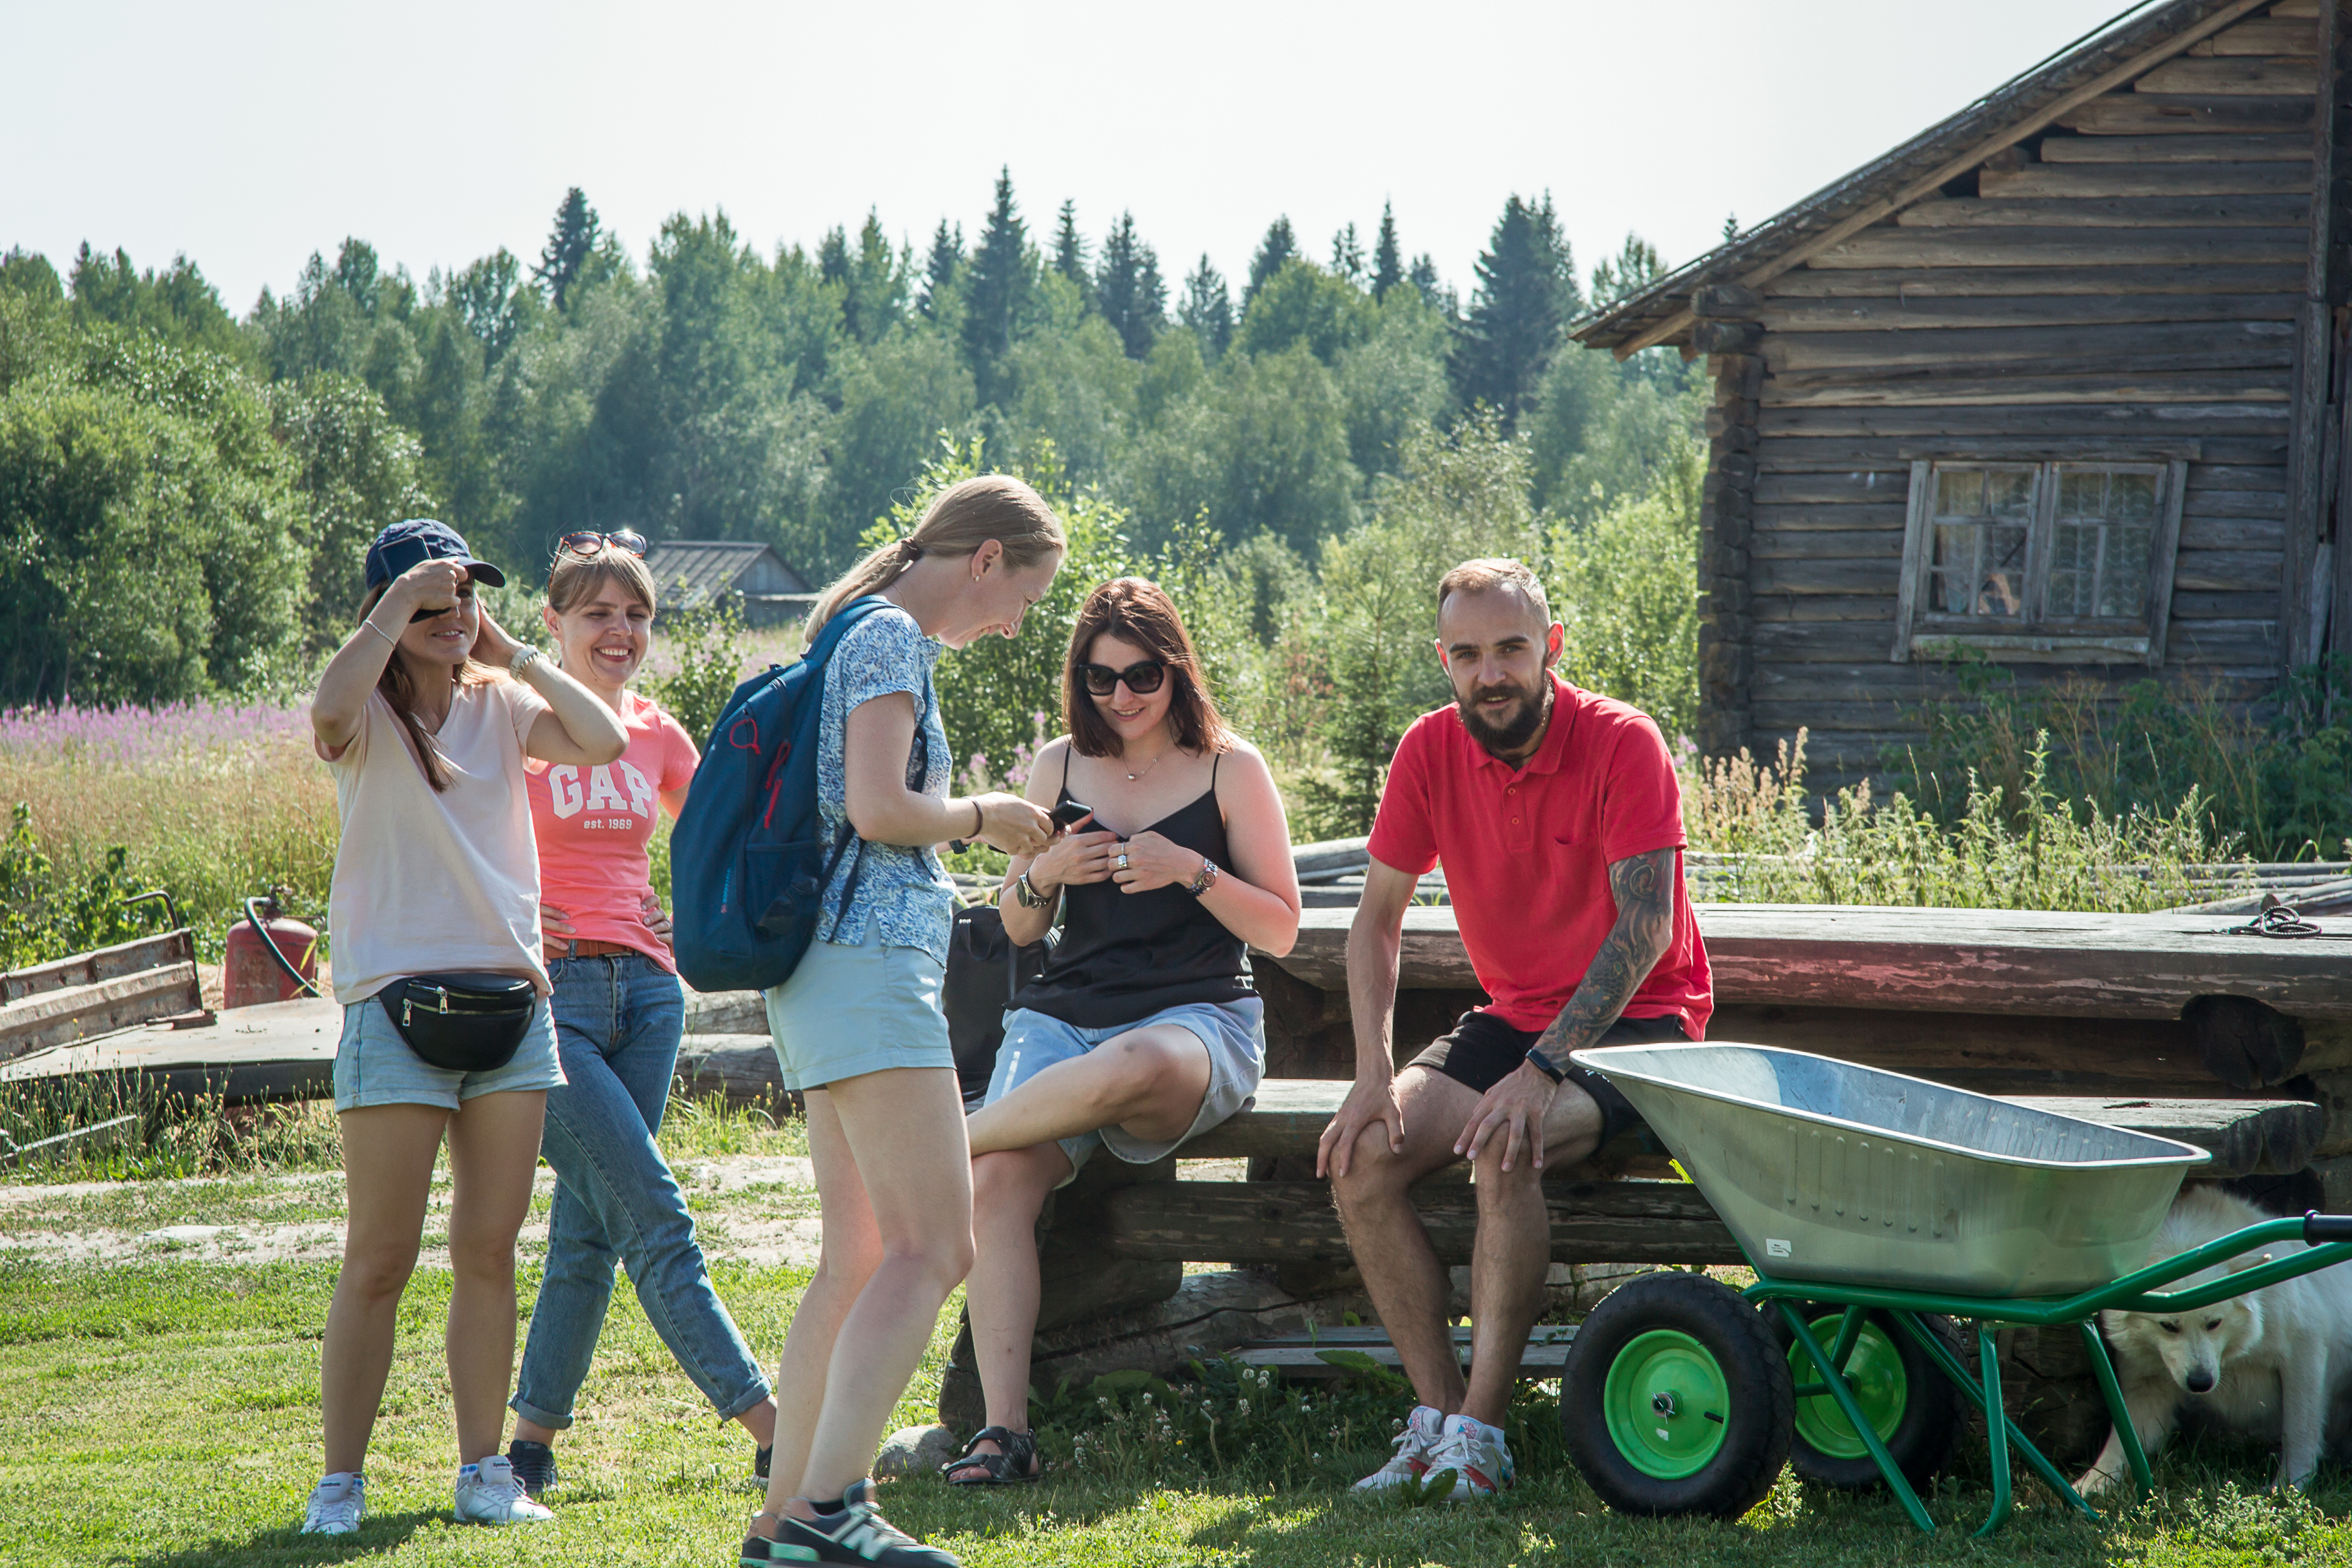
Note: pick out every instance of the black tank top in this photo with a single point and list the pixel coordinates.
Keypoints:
(1124, 957)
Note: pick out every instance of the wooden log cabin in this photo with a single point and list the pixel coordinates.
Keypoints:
(2060, 384)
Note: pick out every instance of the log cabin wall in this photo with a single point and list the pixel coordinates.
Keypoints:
(2137, 274)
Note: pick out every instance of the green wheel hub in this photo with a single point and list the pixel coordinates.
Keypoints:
(1666, 1405)
(1874, 1372)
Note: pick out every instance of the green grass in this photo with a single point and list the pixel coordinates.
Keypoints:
(163, 1415)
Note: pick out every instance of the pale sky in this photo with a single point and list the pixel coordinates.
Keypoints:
(248, 134)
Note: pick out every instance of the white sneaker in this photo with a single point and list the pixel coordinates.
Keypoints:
(1477, 1455)
(487, 1493)
(337, 1505)
(1413, 1445)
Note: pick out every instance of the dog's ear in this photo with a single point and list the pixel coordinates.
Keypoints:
(2240, 1265)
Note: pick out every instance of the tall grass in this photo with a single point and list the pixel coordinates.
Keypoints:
(2017, 844)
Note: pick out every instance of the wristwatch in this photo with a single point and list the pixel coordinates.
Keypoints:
(522, 660)
(1031, 899)
(1207, 877)
(1543, 1063)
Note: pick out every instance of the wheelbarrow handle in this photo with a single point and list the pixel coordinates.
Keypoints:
(2323, 1227)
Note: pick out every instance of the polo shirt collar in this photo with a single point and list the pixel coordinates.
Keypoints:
(1554, 749)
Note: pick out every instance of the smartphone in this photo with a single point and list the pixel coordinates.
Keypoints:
(1070, 813)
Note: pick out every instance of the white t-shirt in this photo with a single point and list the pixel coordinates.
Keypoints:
(430, 882)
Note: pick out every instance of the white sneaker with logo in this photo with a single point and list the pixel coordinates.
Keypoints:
(1413, 1447)
(487, 1493)
(337, 1505)
(1477, 1455)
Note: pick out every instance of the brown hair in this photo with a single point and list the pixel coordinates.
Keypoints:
(575, 579)
(1134, 610)
(399, 690)
(1490, 573)
(964, 517)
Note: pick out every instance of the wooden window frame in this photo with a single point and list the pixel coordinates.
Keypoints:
(1922, 633)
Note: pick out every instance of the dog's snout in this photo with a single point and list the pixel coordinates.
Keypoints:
(2201, 1380)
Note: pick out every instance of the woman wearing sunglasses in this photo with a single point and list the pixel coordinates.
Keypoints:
(1143, 1030)
(619, 1012)
(434, 918)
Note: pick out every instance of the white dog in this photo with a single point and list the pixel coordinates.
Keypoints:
(2267, 1363)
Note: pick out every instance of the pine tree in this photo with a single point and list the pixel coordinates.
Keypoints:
(1387, 261)
(1635, 268)
(574, 241)
(1207, 309)
(1280, 243)
(833, 256)
(1127, 289)
(1070, 248)
(1348, 256)
(997, 289)
(1526, 292)
(945, 261)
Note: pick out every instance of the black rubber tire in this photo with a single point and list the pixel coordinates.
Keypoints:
(1922, 1442)
(1754, 1373)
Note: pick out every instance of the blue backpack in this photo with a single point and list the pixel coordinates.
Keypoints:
(748, 860)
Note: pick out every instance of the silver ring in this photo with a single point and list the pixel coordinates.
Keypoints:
(1122, 860)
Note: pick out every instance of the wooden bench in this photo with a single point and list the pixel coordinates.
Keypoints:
(94, 993)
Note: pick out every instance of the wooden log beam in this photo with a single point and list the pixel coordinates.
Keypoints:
(2296, 76)
(2222, 345)
(2271, 35)
(1287, 1221)
(1963, 961)
(1934, 386)
(2134, 211)
(1963, 282)
(1876, 313)
(158, 952)
(79, 1012)
(2122, 422)
(2246, 1137)
(2079, 182)
(2015, 246)
(2183, 114)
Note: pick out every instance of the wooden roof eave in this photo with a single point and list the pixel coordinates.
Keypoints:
(1662, 313)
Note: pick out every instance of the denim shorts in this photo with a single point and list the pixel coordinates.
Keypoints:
(851, 1010)
(1234, 1033)
(373, 1065)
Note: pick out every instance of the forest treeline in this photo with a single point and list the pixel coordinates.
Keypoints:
(184, 491)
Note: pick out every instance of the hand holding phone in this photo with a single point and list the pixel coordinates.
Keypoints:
(1070, 813)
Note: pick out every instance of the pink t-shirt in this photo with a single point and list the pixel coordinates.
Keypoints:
(593, 824)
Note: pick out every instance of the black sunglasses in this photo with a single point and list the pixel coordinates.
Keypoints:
(1142, 678)
(588, 542)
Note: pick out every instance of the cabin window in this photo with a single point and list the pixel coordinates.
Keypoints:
(2059, 562)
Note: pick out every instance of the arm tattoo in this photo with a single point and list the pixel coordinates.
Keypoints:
(1643, 887)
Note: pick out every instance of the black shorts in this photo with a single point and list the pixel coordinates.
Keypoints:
(1483, 1050)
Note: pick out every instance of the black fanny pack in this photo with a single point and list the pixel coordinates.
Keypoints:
(464, 1023)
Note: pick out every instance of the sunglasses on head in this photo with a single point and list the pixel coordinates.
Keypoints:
(588, 542)
(1142, 678)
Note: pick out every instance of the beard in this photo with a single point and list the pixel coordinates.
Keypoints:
(1514, 731)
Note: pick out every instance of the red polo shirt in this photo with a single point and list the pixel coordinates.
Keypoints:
(1527, 851)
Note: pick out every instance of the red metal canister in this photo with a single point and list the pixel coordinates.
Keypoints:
(252, 977)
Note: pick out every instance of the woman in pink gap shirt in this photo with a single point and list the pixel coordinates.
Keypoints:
(618, 1014)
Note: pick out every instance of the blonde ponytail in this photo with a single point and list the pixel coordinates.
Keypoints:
(964, 517)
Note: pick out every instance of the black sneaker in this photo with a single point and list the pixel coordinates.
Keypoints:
(858, 1534)
(534, 1465)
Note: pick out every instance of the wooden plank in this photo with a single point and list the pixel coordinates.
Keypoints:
(1787, 455)
(2274, 77)
(1879, 312)
(77, 1012)
(1887, 513)
(2163, 551)
(2248, 644)
(2223, 345)
(1839, 577)
(1825, 492)
(1894, 246)
(1868, 608)
(284, 1050)
(2122, 421)
(1301, 1355)
(1821, 642)
(2271, 35)
(2231, 479)
(2202, 605)
(1294, 1222)
(2271, 210)
(2232, 533)
(1931, 387)
(103, 964)
(1826, 545)
(2086, 181)
(1971, 960)
(2174, 149)
(2227, 571)
(2154, 114)
(1966, 283)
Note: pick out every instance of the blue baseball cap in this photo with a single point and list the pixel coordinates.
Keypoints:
(403, 544)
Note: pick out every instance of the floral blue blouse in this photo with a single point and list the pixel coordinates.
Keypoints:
(905, 890)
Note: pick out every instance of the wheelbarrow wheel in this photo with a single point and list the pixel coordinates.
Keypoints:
(1906, 1398)
(1677, 1399)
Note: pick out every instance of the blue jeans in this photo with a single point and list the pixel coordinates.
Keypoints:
(617, 1023)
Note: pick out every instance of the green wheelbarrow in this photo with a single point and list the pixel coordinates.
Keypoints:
(1878, 1212)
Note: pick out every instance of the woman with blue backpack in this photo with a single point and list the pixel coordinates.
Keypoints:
(857, 1027)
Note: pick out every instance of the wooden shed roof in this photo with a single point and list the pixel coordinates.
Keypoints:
(2117, 52)
(689, 571)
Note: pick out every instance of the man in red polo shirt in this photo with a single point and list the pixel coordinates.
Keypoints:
(1558, 821)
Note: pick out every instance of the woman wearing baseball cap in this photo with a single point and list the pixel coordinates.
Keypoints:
(425, 715)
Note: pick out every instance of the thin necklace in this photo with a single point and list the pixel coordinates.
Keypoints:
(1154, 762)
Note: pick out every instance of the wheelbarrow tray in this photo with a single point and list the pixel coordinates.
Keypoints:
(1829, 1171)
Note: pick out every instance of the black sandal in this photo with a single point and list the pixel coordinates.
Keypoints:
(1017, 1462)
